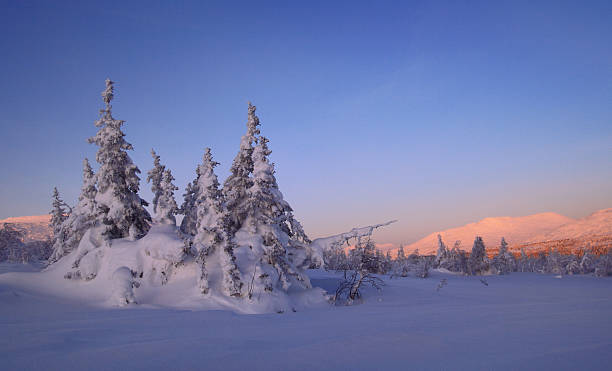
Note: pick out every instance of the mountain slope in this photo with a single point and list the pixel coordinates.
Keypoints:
(597, 224)
(36, 227)
(516, 230)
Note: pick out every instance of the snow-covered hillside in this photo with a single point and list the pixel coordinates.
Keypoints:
(521, 321)
(515, 230)
(597, 224)
(35, 228)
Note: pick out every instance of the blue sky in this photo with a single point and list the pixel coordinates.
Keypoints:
(433, 113)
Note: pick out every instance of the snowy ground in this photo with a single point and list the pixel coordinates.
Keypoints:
(520, 321)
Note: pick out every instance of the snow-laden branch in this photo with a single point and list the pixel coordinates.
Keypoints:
(323, 244)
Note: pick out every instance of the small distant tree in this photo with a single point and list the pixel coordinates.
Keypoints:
(588, 263)
(442, 253)
(523, 264)
(604, 265)
(554, 263)
(478, 263)
(362, 267)
(504, 262)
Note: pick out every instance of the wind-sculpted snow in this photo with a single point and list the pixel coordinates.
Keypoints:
(522, 321)
(156, 271)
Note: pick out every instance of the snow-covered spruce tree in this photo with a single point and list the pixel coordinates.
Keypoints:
(442, 253)
(400, 265)
(283, 253)
(477, 262)
(166, 205)
(588, 263)
(213, 242)
(572, 265)
(58, 215)
(239, 181)
(604, 265)
(81, 218)
(121, 210)
(188, 208)
(155, 176)
(523, 264)
(554, 263)
(504, 262)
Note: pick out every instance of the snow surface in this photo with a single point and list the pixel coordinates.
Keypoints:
(519, 321)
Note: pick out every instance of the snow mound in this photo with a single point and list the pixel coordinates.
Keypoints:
(154, 271)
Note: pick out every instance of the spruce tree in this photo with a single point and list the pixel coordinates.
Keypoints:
(268, 215)
(478, 262)
(81, 218)
(213, 236)
(442, 253)
(504, 262)
(166, 205)
(58, 214)
(188, 209)
(121, 210)
(155, 176)
(239, 181)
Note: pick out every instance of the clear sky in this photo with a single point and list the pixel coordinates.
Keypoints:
(434, 113)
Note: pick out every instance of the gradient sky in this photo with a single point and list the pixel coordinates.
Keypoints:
(434, 113)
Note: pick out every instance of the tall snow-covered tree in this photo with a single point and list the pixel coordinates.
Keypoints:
(81, 218)
(214, 241)
(478, 263)
(155, 176)
(166, 205)
(282, 254)
(122, 211)
(240, 180)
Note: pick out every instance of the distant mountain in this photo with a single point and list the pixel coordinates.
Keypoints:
(515, 230)
(535, 232)
(35, 228)
(597, 224)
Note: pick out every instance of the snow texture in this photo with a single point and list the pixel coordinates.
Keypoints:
(521, 321)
